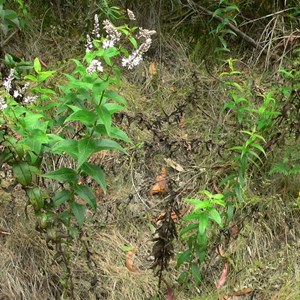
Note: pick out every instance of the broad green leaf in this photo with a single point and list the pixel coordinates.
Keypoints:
(202, 241)
(98, 88)
(188, 228)
(201, 254)
(204, 204)
(84, 116)
(35, 197)
(31, 77)
(203, 223)
(184, 257)
(62, 197)
(133, 42)
(119, 134)
(86, 147)
(42, 76)
(196, 272)
(63, 174)
(22, 173)
(192, 217)
(105, 144)
(193, 201)
(207, 193)
(78, 211)
(215, 216)
(37, 65)
(114, 96)
(113, 107)
(183, 277)
(104, 117)
(96, 173)
(86, 193)
(66, 146)
(34, 121)
(35, 140)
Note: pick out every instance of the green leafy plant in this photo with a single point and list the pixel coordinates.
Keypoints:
(203, 222)
(249, 153)
(48, 135)
(227, 11)
(8, 19)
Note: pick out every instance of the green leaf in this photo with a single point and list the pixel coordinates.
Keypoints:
(196, 272)
(193, 201)
(114, 96)
(78, 211)
(203, 223)
(35, 197)
(133, 42)
(188, 228)
(42, 76)
(84, 116)
(183, 257)
(105, 117)
(96, 173)
(113, 107)
(192, 217)
(86, 193)
(106, 144)
(203, 204)
(22, 173)
(31, 77)
(215, 216)
(86, 147)
(35, 140)
(126, 248)
(183, 277)
(119, 134)
(66, 146)
(98, 88)
(63, 174)
(61, 197)
(37, 65)
(260, 148)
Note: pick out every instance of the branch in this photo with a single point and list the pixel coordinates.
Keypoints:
(241, 34)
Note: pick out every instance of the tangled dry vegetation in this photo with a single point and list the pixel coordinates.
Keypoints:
(175, 122)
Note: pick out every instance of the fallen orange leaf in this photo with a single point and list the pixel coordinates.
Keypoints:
(160, 185)
(129, 262)
(243, 292)
(223, 277)
(152, 69)
(175, 216)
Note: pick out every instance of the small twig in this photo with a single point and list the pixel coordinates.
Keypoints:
(136, 191)
(267, 16)
(8, 38)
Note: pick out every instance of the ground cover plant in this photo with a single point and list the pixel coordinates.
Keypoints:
(187, 190)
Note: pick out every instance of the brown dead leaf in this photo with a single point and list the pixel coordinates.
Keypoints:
(237, 294)
(223, 277)
(129, 262)
(160, 185)
(175, 216)
(234, 231)
(243, 292)
(152, 69)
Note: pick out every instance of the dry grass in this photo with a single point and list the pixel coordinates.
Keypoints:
(263, 257)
